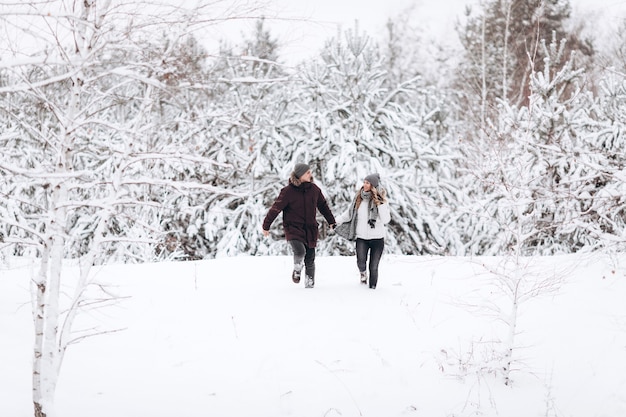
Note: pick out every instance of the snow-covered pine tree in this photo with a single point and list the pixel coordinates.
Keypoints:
(601, 161)
(247, 100)
(531, 191)
(501, 49)
(353, 123)
(577, 161)
(83, 154)
(533, 179)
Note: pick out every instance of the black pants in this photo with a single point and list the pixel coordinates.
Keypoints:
(375, 248)
(302, 252)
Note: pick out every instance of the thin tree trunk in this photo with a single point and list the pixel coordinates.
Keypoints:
(46, 362)
(483, 104)
(510, 341)
(505, 67)
(39, 311)
(515, 287)
(48, 358)
(39, 410)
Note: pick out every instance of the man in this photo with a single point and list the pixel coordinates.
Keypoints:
(299, 202)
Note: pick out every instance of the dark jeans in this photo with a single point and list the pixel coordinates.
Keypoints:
(302, 252)
(375, 248)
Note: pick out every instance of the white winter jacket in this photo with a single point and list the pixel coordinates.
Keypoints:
(363, 230)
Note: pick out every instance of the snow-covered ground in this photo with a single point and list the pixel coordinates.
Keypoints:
(235, 337)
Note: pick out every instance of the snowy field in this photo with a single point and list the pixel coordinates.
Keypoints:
(235, 337)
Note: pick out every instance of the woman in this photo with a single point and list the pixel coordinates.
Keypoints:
(365, 221)
(299, 201)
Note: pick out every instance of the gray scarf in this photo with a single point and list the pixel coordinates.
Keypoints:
(372, 209)
(347, 230)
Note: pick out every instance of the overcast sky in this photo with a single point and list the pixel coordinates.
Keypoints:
(316, 21)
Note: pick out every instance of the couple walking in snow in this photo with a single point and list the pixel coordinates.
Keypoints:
(363, 222)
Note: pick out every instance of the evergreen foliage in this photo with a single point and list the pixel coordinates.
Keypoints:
(502, 46)
(166, 152)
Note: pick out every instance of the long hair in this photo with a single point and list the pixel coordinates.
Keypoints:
(380, 195)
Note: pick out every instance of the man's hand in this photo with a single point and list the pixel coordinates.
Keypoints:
(266, 233)
(332, 226)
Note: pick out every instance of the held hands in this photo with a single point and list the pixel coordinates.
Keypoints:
(266, 233)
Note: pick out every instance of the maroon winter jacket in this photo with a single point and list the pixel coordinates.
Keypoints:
(299, 202)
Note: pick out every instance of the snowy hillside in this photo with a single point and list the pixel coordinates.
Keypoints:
(235, 337)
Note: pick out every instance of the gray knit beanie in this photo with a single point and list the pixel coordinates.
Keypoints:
(373, 179)
(300, 170)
